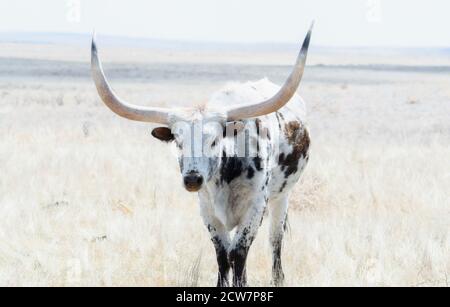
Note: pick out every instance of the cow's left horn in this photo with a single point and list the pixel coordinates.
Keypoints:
(282, 96)
(117, 105)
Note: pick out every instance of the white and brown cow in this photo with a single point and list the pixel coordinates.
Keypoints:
(242, 153)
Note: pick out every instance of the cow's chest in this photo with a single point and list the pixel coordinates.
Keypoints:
(240, 186)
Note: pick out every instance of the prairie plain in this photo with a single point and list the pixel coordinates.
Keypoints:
(88, 198)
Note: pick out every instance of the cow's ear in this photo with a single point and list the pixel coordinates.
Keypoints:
(163, 134)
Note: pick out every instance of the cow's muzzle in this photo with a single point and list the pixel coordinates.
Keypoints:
(193, 181)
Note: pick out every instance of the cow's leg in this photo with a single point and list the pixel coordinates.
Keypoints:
(221, 241)
(242, 241)
(278, 214)
(220, 238)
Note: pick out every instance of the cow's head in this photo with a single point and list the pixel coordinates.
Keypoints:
(198, 133)
(199, 142)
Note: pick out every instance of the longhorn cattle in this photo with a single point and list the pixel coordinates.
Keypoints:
(242, 153)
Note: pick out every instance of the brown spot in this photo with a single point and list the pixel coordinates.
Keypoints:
(297, 136)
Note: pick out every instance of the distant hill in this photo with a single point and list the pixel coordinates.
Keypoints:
(81, 39)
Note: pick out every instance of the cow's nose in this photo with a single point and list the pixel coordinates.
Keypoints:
(193, 181)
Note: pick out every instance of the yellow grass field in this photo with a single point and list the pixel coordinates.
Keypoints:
(88, 198)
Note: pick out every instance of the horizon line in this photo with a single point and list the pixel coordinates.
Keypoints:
(212, 42)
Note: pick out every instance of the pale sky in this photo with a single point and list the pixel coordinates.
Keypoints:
(398, 23)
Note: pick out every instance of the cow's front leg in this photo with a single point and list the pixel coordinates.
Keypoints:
(242, 241)
(221, 241)
(220, 238)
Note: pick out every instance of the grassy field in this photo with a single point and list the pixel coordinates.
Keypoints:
(88, 198)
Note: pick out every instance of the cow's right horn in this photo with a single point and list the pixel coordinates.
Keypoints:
(117, 105)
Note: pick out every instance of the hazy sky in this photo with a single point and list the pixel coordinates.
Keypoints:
(412, 23)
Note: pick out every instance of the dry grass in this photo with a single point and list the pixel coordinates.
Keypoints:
(87, 198)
